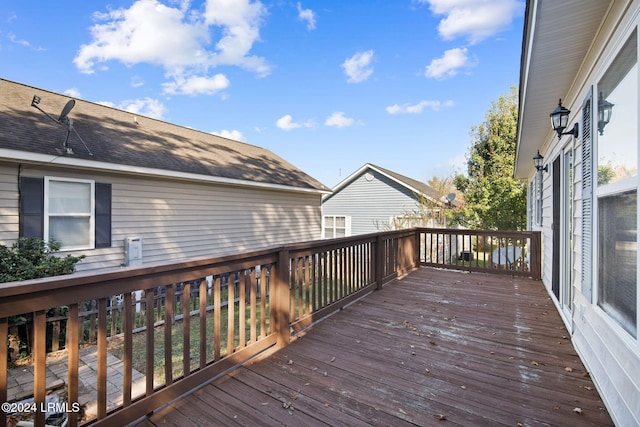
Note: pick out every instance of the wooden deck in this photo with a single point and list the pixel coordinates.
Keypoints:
(435, 348)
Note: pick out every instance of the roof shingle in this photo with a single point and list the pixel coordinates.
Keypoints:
(124, 138)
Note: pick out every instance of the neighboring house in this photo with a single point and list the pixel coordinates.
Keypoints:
(584, 197)
(373, 199)
(141, 190)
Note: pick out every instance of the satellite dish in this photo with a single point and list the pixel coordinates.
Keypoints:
(63, 120)
(65, 111)
(451, 197)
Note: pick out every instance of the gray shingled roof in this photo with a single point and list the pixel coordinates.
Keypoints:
(114, 137)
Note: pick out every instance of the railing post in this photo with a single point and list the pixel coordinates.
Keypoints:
(536, 255)
(416, 248)
(280, 304)
(378, 256)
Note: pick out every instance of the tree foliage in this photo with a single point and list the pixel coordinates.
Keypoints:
(30, 258)
(494, 199)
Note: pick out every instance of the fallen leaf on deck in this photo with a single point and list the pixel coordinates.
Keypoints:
(427, 371)
(464, 387)
(333, 359)
(556, 407)
(290, 362)
(534, 363)
(577, 410)
(588, 388)
(568, 369)
(264, 403)
(432, 342)
(401, 411)
(441, 417)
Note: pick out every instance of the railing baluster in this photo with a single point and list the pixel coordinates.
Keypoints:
(102, 358)
(150, 355)
(4, 336)
(242, 309)
(217, 318)
(127, 330)
(230, 315)
(252, 305)
(72, 345)
(39, 361)
(202, 315)
(186, 330)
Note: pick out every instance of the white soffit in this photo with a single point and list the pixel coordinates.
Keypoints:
(557, 37)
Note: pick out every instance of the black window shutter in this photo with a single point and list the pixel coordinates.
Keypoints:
(587, 198)
(103, 215)
(31, 222)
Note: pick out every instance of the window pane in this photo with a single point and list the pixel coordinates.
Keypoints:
(340, 232)
(617, 139)
(70, 231)
(328, 222)
(617, 234)
(340, 221)
(69, 197)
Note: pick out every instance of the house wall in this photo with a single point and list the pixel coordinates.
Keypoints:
(610, 354)
(370, 203)
(179, 219)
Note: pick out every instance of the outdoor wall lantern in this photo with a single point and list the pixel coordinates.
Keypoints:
(604, 113)
(559, 119)
(537, 161)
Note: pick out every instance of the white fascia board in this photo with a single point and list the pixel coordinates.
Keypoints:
(45, 159)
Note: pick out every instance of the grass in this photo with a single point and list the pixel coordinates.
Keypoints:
(116, 344)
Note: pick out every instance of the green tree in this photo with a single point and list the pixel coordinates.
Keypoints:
(494, 199)
(30, 258)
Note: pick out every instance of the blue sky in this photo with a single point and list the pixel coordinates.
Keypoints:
(327, 85)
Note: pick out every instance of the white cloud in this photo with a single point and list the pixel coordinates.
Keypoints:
(474, 19)
(22, 42)
(449, 64)
(358, 67)
(286, 123)
(147, 107)
(196, 85)
(307, 15)
(180, 40)
(338, 119)
(419, 107)
(73, 92)
(231, 134)
(137, 81)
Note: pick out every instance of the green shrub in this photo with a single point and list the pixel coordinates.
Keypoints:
(30, 258)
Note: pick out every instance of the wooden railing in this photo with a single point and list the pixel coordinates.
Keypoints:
(503, 252)
(184, 324)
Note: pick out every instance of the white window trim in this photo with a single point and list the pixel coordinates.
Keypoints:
(606, 190)
(92, 214)
(347, 225)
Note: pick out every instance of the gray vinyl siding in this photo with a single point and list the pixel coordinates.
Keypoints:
(8, 203)
(370, 203)
(178, 220)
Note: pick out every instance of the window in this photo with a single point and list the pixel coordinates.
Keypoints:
(617, 233)
(335, 226)
(69, 212)
(616, 188)
(75, 212)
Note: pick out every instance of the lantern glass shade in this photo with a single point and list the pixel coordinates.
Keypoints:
(559, 118)
(537, 161)
(605, 109)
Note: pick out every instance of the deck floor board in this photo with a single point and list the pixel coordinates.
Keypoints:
(474, 349)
